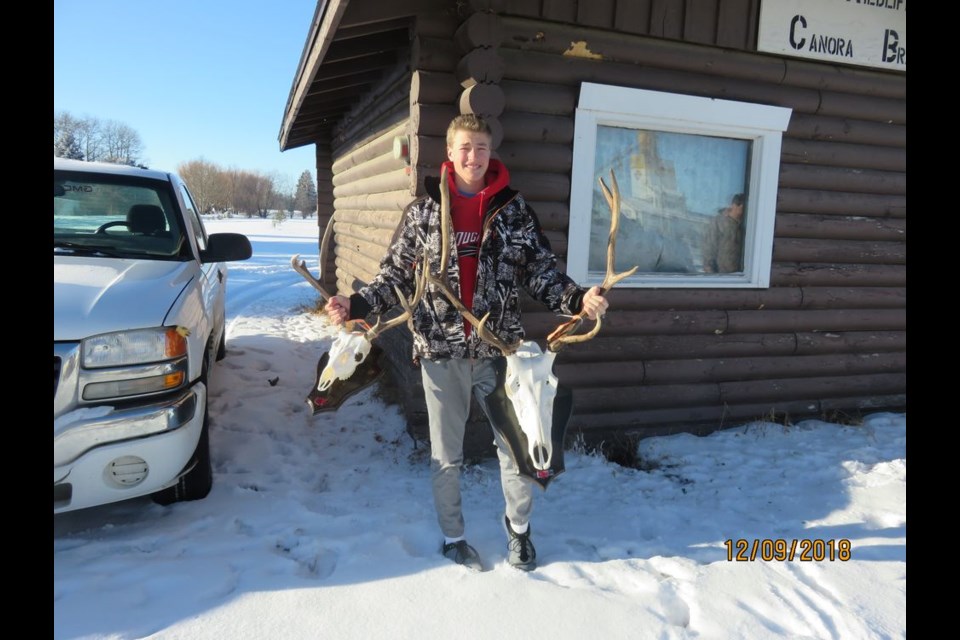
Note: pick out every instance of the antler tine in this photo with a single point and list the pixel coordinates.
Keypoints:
(444, 221)
(441, 282)
(300, 266)
(559, 336)
(613, 199)
(407, 315)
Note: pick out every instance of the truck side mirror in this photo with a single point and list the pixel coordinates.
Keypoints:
(226, 247)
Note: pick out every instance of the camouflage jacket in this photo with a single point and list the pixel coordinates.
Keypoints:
(514, 253)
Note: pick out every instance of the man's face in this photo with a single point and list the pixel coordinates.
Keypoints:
(470, 155)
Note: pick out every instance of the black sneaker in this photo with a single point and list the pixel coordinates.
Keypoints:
(520, 551)
(462, 553)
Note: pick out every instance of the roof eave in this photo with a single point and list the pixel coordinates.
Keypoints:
(326, 21)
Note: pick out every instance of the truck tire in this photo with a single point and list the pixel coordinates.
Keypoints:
(222, 347)
(196, 483)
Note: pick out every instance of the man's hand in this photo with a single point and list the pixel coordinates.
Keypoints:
(338, 309)
(594, 303)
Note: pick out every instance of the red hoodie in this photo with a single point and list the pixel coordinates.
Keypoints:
(467, 212)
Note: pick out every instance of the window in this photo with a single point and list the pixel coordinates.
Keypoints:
(108, 215)
(199, 231)
(697, 179)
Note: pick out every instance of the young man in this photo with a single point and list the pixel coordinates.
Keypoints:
(498, 248)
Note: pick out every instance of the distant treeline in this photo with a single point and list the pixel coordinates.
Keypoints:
(214, 188)
(95, 140)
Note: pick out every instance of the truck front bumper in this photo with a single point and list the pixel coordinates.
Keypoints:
(103, 455)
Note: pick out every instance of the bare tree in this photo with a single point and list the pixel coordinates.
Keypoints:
(87, 132)
(245, 196)
(95, 140)
(282, 192)
(264, 193)
(207, 183)
(122, 144)
(285, 201)
(231, 185)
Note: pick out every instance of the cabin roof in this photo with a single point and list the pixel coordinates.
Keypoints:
(351, 44)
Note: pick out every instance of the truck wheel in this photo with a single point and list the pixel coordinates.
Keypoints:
(197, 482)
(222, 347)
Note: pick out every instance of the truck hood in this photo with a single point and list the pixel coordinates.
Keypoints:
(93, 295)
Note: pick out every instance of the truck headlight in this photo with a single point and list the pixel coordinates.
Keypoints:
(132, 386)
(133, 347)
(134, 363)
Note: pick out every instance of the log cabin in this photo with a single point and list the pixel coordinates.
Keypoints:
(800, 105)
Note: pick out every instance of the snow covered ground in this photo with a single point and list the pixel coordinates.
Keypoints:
(323, 527)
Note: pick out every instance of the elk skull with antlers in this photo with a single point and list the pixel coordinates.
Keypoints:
(353, 342)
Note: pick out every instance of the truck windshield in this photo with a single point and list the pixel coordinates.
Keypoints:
(115, 216)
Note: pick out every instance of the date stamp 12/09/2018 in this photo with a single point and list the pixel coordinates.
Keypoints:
(781, 549)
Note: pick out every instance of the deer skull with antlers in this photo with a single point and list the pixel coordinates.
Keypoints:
(530, 410)
(352, 344)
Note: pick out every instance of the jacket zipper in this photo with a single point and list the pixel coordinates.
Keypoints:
(488, 223)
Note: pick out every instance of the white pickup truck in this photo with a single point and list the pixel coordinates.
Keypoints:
(138, 321)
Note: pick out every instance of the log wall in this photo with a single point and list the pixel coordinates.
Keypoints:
(324, 207)
(829, 335)
(826, 339)
(725, 23)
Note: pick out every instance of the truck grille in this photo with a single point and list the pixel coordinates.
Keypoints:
(56, 374)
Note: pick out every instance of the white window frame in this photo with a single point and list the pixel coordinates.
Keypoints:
(762, 125)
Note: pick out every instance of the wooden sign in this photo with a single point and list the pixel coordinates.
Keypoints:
(870, 33)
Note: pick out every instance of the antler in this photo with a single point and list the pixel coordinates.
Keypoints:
(408, 305)
(300, 266)
(441, 282)
(379, 327)
(562, 334)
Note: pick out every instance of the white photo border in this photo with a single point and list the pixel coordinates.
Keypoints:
(762, 125)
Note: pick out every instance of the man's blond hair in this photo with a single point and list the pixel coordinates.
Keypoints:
(467, 122)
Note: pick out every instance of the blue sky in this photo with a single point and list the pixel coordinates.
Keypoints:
(206, 79)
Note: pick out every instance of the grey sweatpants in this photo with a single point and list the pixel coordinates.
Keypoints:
(447, 385)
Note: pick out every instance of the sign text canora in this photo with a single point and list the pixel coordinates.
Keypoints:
(819, 43)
